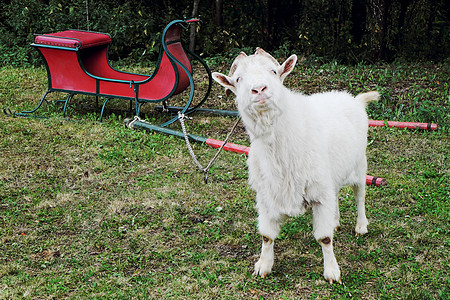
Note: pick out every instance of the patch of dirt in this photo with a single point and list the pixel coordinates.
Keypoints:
(234, 251)
(46, 255)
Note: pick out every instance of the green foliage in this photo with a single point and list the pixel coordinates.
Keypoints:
(350, 31)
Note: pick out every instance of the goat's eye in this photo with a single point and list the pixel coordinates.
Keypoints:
(237, 79)
(274, 72)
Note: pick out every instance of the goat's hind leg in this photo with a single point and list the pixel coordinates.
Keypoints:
(359, 191)
(337, 215)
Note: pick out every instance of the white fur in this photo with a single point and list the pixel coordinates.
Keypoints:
(303, 150)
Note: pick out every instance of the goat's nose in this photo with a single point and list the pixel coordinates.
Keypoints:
(259, 90)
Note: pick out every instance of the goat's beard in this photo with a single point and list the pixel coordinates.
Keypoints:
(261, 117)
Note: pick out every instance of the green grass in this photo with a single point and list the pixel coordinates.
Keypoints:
(97, 211)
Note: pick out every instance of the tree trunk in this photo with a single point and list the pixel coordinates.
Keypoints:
(401, 23)
(270, 23)
(193, 28)
(380, 15)
(218, 19)
(359, 19)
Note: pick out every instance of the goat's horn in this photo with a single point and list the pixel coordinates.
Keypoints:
(234, 65)
(263, 52)
(260, 50)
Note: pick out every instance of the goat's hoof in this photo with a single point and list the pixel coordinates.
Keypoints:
(262, 274)
(256, 273)
(332, 274)
(361, 230)
(361, 227)
(262, 268)
(330, 281)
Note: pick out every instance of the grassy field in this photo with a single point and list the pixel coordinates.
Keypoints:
(93, 210)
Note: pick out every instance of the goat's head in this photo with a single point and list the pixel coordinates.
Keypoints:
(256, 79)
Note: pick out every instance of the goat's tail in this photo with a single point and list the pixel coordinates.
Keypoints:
(368, 97)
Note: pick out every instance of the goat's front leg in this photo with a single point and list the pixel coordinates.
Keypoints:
(324, 223)
(264, 265)
(269, 229)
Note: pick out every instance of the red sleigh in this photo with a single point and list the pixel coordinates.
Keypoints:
(77, 63)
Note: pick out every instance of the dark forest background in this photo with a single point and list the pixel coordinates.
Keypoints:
(349, 31)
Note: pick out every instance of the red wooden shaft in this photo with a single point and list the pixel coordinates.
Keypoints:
(373, 180)
(229, 146)
(370, 180)
(410, 125)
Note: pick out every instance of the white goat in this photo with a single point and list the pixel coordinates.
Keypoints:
(303, 150)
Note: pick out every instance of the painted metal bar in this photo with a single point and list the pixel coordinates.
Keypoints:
(210, 80)
(103, 109)
(9, 113)
(154, 128)
(67, 102)
(37, 107)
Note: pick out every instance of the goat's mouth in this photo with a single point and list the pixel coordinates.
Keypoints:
(261, 102)
(260, 107)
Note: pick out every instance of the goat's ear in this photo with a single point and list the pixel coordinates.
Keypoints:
(287, 66)
(224, 81)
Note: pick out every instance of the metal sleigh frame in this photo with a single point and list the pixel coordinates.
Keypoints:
(77, 63)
